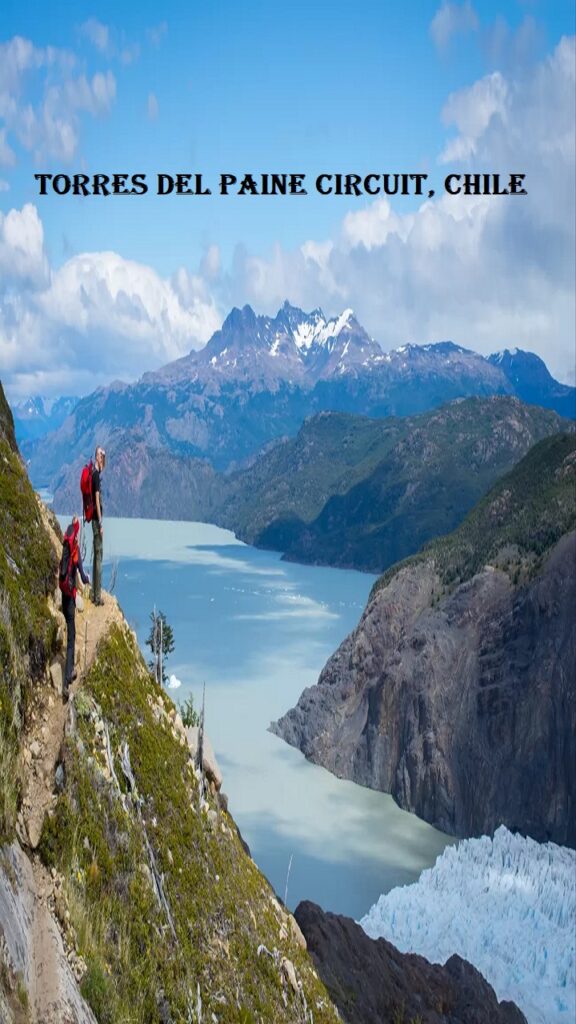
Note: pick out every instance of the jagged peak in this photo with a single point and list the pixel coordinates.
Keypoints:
(245, 317)
(509, 354)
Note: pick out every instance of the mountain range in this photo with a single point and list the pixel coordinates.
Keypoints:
(259, 377)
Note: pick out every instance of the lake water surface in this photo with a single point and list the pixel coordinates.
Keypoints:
(256, 631)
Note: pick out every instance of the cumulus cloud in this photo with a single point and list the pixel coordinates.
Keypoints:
(452, 19)
(42, 98)
(484, 271)
(22, 255)
(471, 110)
(95, 318)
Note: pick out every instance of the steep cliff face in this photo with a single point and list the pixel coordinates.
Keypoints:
(456, 692)
(370, 981)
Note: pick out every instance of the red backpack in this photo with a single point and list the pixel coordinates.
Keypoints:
(86, 489)
(67, 568)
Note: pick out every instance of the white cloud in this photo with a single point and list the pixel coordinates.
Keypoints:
(487, 272)
(152, 107)
(22, 256)
(46, 121)
(97, 33)
(451, 19)
(95, 318)
(484, 271)
(471, 110)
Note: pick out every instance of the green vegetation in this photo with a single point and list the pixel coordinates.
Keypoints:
(331, 453)
(222, 907)
(514, 525)
(27, 630)
(188, 714)
(364, 493)
(161, 643)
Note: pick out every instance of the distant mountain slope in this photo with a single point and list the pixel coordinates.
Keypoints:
(36, 416)
(456, 693)
(365, 493)
(532, 382)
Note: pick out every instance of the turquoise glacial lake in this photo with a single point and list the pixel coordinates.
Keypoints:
(256, 631)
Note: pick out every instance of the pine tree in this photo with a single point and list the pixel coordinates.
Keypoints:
(161, 643)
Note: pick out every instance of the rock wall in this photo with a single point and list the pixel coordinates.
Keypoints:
(464, 709)
(371, 982)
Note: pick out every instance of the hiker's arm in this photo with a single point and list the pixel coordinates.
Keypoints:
(84, 576)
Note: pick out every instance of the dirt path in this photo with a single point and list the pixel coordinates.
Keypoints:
(41, 751)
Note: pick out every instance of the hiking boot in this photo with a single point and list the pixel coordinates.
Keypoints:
(65, 693)
(99, 603)
(72, 677)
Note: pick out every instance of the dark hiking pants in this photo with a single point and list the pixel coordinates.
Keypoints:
(69, 609)
(97, 566)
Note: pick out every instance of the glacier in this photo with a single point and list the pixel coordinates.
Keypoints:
(508, 906)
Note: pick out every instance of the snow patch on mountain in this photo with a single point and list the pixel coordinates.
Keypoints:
(508, 906)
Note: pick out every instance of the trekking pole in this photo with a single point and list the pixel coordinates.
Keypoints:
(85, 644)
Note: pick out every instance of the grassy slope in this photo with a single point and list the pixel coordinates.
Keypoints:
(515, 524)
(27, 630)
(295, 478)
(222, 906)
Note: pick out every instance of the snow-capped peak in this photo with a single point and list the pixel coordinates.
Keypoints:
(315, 330)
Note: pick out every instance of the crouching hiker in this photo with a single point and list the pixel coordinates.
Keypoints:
(70, 564)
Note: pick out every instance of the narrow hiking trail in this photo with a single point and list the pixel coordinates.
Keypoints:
(54, 997)
(43, 739)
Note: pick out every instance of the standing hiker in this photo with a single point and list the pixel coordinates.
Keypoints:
(97, 528)
(70, 564)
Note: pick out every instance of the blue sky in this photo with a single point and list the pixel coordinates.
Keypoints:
(311, 88)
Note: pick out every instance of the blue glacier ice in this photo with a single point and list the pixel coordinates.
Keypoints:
(508, 906)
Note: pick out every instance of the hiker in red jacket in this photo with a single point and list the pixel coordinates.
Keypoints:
(97, 527)
(70, 564)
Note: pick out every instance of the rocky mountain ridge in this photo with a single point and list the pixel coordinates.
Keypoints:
(456, 692)
(259, 377)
